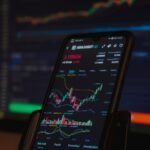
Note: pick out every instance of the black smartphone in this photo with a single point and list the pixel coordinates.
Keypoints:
(83, 91)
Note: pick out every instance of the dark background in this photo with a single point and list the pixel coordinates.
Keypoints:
(31, 32)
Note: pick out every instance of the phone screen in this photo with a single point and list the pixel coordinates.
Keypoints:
(80, 96)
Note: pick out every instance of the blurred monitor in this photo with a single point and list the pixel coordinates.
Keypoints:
(31, 32)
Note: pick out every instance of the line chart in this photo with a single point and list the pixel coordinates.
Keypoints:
(75, 102)
(64, 134)
(81, 13)
(76, 90)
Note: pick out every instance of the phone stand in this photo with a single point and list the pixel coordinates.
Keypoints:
(118, 132)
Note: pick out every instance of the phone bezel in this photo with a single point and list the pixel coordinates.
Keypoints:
(119, 80)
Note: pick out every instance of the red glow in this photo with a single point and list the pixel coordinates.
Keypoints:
(76, 62)
(117, 2)
(72, 56)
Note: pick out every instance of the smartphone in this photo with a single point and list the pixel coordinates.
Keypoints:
(83, 91)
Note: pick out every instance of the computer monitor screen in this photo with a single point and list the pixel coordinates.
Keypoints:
(31, 32)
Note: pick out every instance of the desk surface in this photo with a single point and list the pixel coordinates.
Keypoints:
(9, 141)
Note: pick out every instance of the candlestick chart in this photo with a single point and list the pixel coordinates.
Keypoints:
(76, 103)
(64, 121)
(65, 127)
(60, 99)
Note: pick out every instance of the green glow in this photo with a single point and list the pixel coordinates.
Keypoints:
(91, 11)
(24, 108)
(122, 2)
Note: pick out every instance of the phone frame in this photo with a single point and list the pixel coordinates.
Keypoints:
(118, 85)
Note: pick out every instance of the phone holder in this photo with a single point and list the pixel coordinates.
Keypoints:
(118, 131)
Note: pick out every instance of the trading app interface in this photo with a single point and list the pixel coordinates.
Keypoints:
(80, 97)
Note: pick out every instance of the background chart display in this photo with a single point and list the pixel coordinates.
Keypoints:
(81, 94)
(32, 32)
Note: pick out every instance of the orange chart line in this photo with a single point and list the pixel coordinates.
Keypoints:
(78, 90)
(82, 13)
